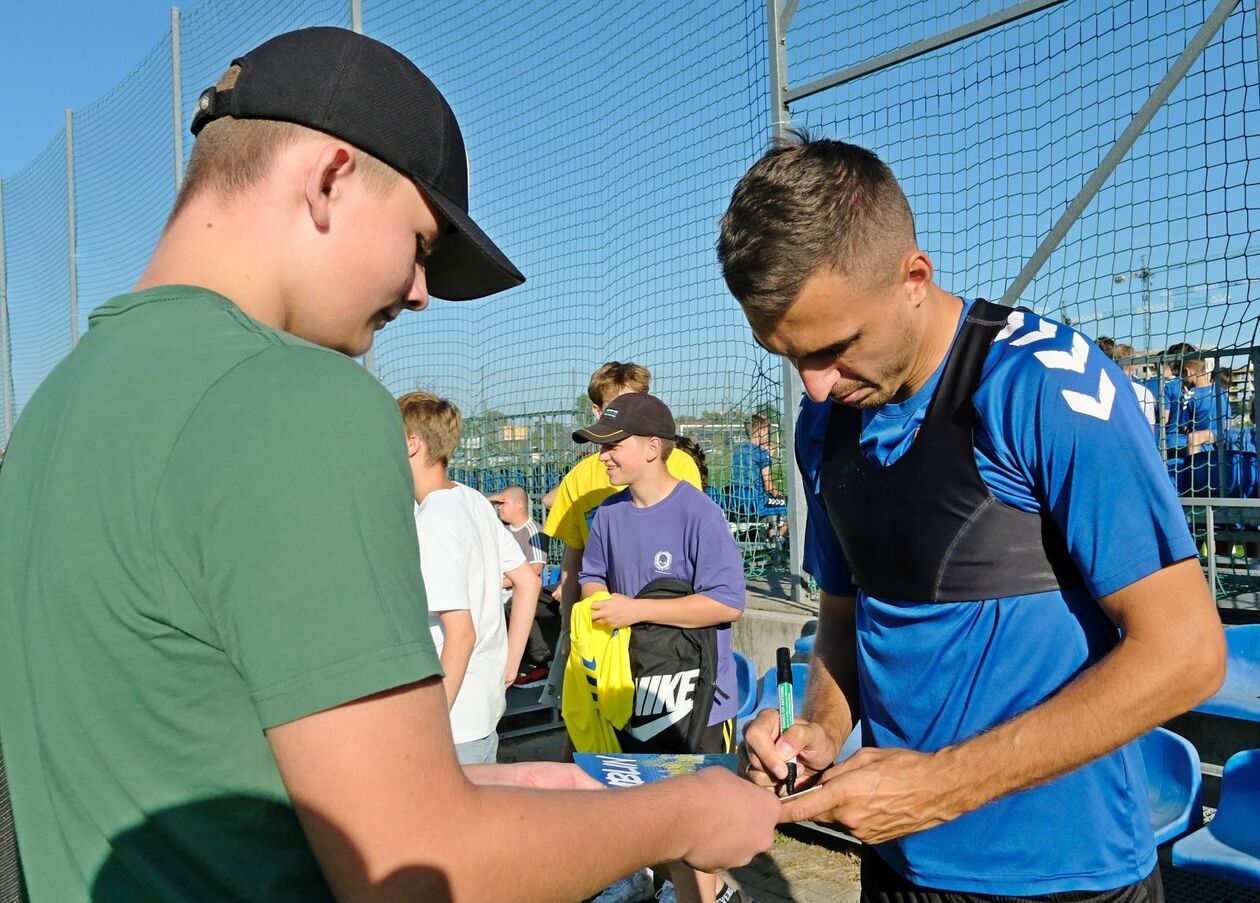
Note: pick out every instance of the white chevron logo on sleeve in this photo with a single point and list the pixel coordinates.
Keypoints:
(1045, 330)
(1100, 407)
(1073, 360)
(1014, 323)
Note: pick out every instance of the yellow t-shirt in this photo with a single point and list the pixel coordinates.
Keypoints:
(586, 485)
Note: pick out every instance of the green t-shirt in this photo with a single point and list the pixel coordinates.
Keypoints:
(205, 530)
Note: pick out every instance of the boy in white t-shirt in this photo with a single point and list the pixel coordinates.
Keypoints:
(465, 553)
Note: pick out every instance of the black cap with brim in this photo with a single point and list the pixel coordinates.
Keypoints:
(594, 434)
(631, 414)
(465, 263)
(370, 95)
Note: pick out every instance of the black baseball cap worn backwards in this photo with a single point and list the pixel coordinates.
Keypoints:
(632, 414)
(368, 94)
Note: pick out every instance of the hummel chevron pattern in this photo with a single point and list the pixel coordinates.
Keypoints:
(1099, 407)
(1074, 361)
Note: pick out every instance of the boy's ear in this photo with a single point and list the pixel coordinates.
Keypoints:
(415, 446)
(323, 178)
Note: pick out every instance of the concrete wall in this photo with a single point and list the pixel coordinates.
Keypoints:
(758, 634)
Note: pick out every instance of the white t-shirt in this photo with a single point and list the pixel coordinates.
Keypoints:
(464, 552)
(1147, 400)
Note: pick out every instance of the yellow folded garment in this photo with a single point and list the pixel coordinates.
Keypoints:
(598, 687)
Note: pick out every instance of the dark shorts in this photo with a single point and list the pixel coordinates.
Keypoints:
(718, 738)
(882, 884)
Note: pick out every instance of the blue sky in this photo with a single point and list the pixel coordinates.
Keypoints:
(605, 140)
(65, 53)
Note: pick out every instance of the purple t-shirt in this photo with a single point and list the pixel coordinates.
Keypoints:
(684, 536)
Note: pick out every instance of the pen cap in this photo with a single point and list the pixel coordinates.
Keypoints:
(783, 665)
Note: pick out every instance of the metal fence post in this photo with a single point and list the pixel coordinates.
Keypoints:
(177, 99)
(71, 262)
(777, 18)
(6, 364)
(356, 25)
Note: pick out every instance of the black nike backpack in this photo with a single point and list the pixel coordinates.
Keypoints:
(675, 680)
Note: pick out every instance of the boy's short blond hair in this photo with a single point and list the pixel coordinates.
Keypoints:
(615, 378)
(433, 420)
(231, 155)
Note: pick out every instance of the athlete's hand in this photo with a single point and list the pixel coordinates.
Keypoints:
(879, 795)
(728, 820)
(765, 751)
(616, 611)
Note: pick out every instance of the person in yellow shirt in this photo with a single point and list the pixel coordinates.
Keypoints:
(571, 505)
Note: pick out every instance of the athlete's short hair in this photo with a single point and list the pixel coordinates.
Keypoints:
(615, 378)
(808, 205)
(232, 155)
(436, 421)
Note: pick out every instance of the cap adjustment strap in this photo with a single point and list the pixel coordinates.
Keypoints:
(212, 104)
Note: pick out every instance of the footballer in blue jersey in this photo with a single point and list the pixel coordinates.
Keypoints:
(1029, 448)
(1010, 594)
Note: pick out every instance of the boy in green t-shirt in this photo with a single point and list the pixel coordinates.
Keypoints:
(209, 651)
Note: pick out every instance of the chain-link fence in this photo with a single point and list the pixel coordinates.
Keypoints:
(1094, 162)
(1099, 163)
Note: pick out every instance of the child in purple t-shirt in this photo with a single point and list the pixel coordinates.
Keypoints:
(659, 527)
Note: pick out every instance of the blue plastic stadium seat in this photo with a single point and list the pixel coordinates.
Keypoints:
(1229, 847)
(1174, 784)
(805, 645)
(746, 685)
(1239, 697)
(768, 697)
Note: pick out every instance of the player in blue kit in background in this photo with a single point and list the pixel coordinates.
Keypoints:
(1001, 626)
(658, 530)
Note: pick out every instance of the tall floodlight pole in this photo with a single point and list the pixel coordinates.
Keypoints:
(356, 25)
(6, 365)
(72, 263)
(1143, 273)
(778, 16)
(177, 100)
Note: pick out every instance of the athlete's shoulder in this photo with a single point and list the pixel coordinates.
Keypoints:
(811, 431)
(1037, 360)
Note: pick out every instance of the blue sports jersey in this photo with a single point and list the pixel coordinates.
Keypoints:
(1058, 425)
(1174, 404)
(1206, 408)
(746, 466)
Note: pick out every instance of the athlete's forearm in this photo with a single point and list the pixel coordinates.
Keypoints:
(695, 610)
(1156, 672)
(831, 698)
